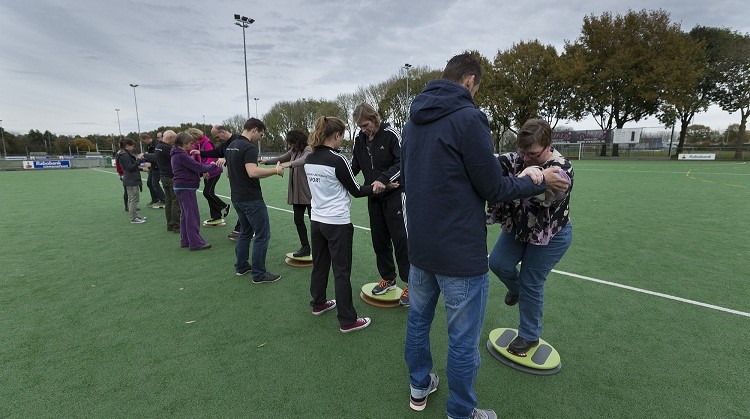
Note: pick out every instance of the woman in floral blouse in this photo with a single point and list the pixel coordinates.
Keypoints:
(536, 232)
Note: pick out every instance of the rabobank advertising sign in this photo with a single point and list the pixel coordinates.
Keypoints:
(46, 164)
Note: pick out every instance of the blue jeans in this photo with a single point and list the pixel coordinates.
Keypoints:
(465, 303)
(528, 283)
(253, 218)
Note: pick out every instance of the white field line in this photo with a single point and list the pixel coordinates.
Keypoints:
(585, 278)
(656, 294)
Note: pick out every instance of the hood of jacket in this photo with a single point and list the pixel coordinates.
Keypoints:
(438, 99)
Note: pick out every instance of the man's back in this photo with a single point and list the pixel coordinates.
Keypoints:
(450, 173)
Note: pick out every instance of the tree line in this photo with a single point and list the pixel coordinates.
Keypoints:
(621, 68)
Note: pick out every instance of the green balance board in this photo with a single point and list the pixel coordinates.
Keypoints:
(391, 295)
(540, 357)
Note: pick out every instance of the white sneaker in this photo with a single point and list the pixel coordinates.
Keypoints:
(137, 220)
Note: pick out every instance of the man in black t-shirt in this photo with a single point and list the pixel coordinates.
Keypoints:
(247, 199)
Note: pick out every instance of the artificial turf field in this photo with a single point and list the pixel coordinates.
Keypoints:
(101, 318)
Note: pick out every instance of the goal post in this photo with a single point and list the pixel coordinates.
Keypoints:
(571, 151)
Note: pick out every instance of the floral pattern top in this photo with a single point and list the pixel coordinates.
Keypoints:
(538, 218)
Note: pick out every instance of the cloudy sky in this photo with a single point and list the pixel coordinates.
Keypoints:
(65, 66)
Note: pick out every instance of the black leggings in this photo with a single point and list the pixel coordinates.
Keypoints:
(299, 221)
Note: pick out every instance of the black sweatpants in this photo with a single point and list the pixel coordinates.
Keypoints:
(332, 245)
(388, 230)
(215, 204)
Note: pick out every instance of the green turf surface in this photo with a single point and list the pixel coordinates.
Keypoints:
(101, 318)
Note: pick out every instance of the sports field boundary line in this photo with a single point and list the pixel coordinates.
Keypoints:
(570, 274)
(654, 293)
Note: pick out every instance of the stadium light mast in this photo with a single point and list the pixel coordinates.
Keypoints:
(407, 66)
(2, 134)
(138, 120)
(119, 128)
(244, 22)
(256, 106)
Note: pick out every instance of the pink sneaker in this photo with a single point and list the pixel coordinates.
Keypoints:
(361, 323)
(328, 305)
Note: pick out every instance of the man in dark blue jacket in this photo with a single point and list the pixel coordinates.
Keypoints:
(450, 173)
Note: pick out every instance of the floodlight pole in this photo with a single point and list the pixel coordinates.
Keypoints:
(407, 66)
(138, 120)
(244, 22)
(119, 128)
(256, 106)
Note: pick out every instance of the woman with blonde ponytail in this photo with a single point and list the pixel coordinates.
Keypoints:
(331, 180)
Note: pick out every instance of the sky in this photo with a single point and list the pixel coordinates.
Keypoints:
(65, 66)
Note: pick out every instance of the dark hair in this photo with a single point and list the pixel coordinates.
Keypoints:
(462, 66)
(297, 139)
(325, 127)
(534, 131)
(125, 142)
(254, 123)
(145, 135)
(221, 128)
(184, 138)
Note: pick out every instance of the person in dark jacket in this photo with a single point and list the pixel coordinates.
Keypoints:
(163, 157)
(187, 175)
(131, 178)
(450, 173)
(377, 153)
(154, 188)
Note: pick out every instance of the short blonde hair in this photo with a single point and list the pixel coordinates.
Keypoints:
(195, 133)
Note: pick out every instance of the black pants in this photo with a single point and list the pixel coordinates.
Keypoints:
(215, 204)
(388, 229)
(299, 221)
(157, 194)
(171, 205)
(332, 245)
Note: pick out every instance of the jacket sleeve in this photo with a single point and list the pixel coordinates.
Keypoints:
(126, 163)
(345, 175)
(150, 157)
(355, 162)
(217, 152)
(194, 166)
(300, 161)
(393, 172)
(483, 168)
(282, 158)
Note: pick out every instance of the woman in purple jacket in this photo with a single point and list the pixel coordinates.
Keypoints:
(187, 174)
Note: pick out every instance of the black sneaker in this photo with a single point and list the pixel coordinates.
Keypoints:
(302, 252)
(384, 286)
(511, 299)
(226, 210)
(267, 278)
(520, 346)
(244, 271)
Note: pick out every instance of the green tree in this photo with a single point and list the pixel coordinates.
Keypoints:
(699, 135)
(683, 100)
(623, 65)
(729, 64)
(533, 81)
(492, 102)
